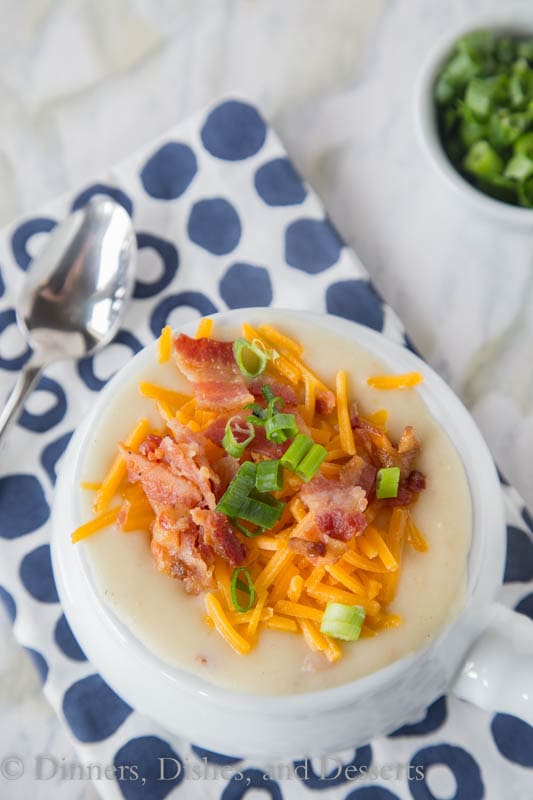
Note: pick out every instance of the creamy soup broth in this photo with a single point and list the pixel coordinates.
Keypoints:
(170, 623)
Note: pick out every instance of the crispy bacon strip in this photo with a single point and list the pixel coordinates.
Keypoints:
(218, 533)
(211, 368)
(161, 486)
(179, 551)
(287, 393)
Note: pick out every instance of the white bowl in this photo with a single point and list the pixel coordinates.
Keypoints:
(519, 22)
(301, 724)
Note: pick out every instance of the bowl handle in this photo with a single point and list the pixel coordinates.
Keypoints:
(498, 671)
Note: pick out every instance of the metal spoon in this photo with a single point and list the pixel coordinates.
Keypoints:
(75, 294)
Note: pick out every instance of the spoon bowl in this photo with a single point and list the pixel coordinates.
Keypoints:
(76, 292)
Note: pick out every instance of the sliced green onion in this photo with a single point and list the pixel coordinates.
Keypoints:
(236, 447)
(342, 622)
(260, 513)
(271, 354)
(256, 359)
(236, 583)
(281, 427)
(297, 450)
(267, 393)
(519, 167)
(238, 491)
(387, 481)
(310, 463)
(247, 532)
(269, 476)
(274, 405)
(482, 160)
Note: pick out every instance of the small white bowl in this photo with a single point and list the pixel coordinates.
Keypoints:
(519, 23)
(312, 722)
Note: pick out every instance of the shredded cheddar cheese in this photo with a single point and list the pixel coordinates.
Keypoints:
(165, 344)
(205, 328)
(343, 412)
(405, 381)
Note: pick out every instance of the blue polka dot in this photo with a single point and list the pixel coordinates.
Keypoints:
(233, 131)
(52, 453)
(336, 774)
(278, 183)
(113, 192)
(514, 739)
(22, 235)
(528, 519)
(7, 318)
(214, 225)
(519, 564)
(460, 763)
(372, 793)
(146, 753)
(37, 576)
(86, 365)
(525, 606)
(169, 261)
(435, 717)
(9, 603)
(215, 758)
(312, 245)
(249, 779)
(23, 506)
(356, 300)
(39, 423)
(39, 662)
(168, 173)
(245, 285)
(93, 710)
(162, 311)
(66, 641)
(2, 285)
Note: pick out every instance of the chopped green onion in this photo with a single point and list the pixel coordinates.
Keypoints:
(481, 93)
(267, 393)
(482, 160)
(310, 463)
(524, 144)
(297, 450)
(256, 359)
(260, 513)
(387, 482)
(342, 622)
(237, 584)
(281, 427)
(247, 532)
(238, 491)
(271, 354)
(236, 447)
(269, 476)
(519, 167)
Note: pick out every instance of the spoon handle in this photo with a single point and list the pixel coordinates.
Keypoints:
(13, 408)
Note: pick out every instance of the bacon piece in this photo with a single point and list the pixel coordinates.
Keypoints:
(178, 550)
(339, 524)
(335, 516)
(226, 468)
(325, 402)
(161, 486)
(259, 448)
(150, 447)
(211, 368)
(186, 456)
(218, 533)
(358, 472)
(287, 393)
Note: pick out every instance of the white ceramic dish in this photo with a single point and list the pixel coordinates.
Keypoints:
(514, 23)
(348, 715)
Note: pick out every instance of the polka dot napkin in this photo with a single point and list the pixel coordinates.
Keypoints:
(222, 221)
